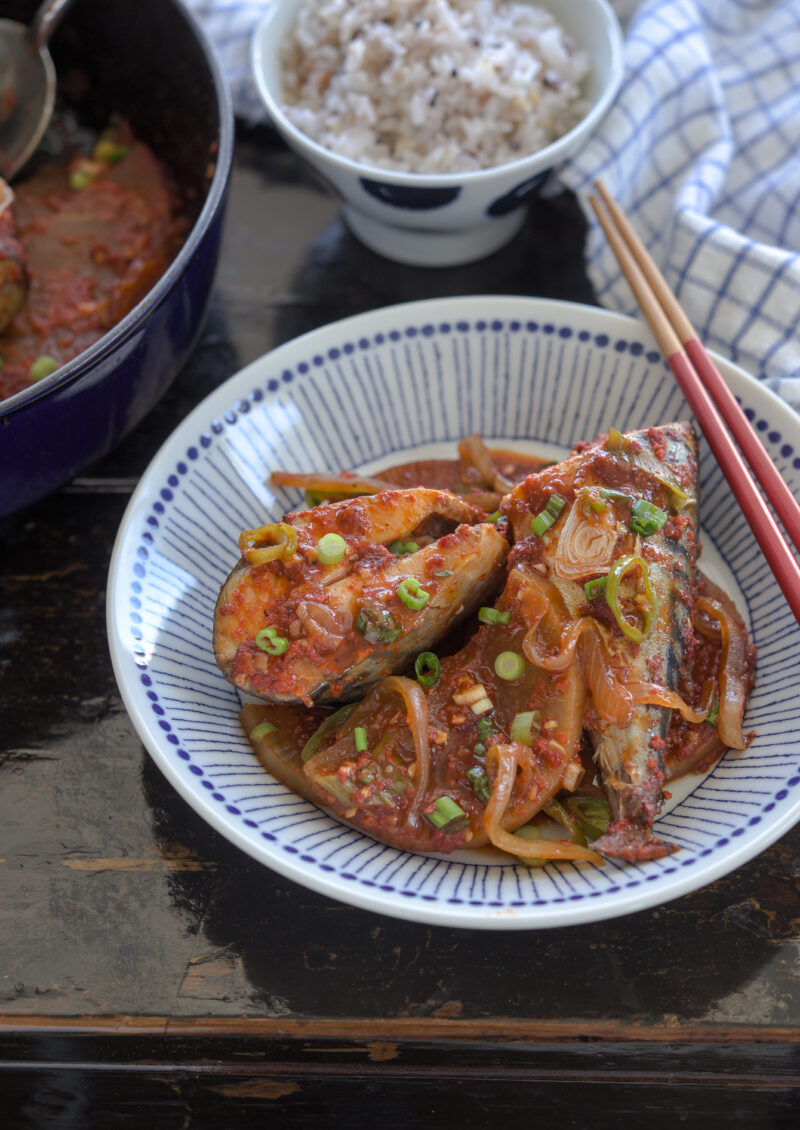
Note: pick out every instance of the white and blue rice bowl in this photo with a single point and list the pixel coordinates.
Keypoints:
(432, 220)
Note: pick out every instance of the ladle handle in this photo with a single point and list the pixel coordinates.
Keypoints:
(46, 20)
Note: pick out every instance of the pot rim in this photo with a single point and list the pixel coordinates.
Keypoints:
(73, 370)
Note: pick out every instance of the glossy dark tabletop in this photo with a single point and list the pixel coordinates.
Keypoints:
(147, 966)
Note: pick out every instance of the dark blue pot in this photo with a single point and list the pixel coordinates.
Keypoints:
(147, 60)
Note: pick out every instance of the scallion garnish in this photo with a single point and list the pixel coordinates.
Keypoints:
(360, 738)
(331, 549)
(479, 780)
(332, 722)
(509, 665)
(485, 727)
(713, 714)
(377, 625)
(593, 814)
(269, 640)
(525, 727)
(493, 616)
(427, 668)
(402, 548)
(646, 517)
(595, 587)
(412, 594)
(445, 813)
(261, 730)
(546, 518)
(494, 517)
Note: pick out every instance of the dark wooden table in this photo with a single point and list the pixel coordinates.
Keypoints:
(152, 975)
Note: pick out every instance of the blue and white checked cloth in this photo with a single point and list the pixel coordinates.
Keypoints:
(702, 150)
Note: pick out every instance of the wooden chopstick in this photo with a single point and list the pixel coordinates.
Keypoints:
(691, 367)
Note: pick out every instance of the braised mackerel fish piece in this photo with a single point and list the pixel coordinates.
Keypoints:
(327, 602)
(465, 754)
(613, 531)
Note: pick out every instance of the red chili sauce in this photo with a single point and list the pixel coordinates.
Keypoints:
(92, 251)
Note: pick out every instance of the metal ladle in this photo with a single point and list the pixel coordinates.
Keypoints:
(27, 84)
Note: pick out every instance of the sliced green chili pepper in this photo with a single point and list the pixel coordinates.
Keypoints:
(269, 640)
(427, 668)
(412, 594)
(268, 543)
(615, 575)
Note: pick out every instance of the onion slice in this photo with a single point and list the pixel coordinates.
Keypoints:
(416, 705)
(505, 759)
(732, 675)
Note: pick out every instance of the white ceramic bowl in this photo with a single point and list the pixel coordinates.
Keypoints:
(402, 383)
(443, 220)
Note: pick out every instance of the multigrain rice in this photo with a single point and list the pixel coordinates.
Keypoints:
(431, 86)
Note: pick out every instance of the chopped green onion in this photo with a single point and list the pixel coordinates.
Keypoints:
(493, 616)
(617, 495)
(713, 714)
(595, 587)
(556, 811)
(109, 151)
(269, 640)
(509, 665)
(494, 517)
(443, 573)
(446, 812)
(331, 723)
(42, 367)
(485, 727)
(479, 749)
(261, 730)
(79, 179)
(480, 783)
(331, 549)
(377, 625)
(616, 440)
(341, 790)
(427, 668)
(547, 517)
(615, 575)
(646, 517)
(412, 594)
(525, 727)
(402, 548)
(360, 738)
(593, 814)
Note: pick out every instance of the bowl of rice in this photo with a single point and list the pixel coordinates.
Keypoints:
(435, 121)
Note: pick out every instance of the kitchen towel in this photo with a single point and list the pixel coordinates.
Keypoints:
(701, 148)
